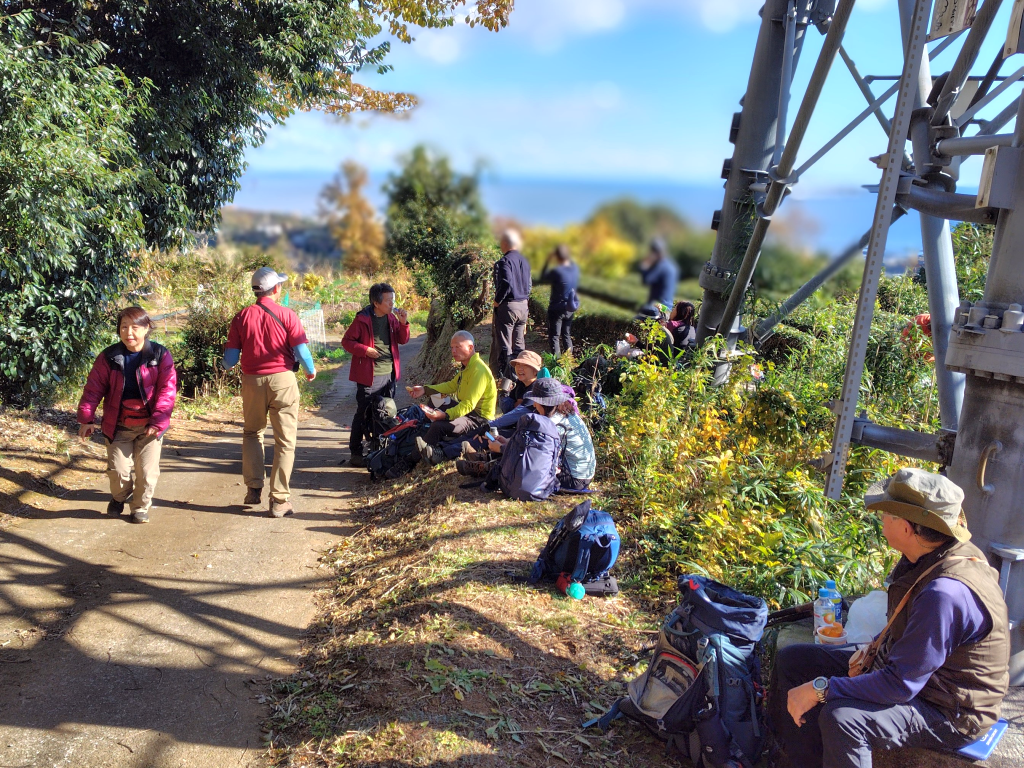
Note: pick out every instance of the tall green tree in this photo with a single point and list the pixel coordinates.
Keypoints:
(437, 224)
(125, 125)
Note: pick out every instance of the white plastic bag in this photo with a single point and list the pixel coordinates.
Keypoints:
(867, 617)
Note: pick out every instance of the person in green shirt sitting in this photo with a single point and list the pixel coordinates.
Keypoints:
(474, 394)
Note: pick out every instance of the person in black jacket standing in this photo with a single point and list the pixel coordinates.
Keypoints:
(512, 286)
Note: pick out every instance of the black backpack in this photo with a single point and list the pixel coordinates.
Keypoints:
(702, 691)
(397, 454)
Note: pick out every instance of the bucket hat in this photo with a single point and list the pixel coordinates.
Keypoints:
(546, 392)
(920, 497)
(265, 278)
(532, 359)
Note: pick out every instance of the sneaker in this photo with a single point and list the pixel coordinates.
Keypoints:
(429, 453)
(140, 516)
(115, 507)
(281, 508)
(472, 468)
(357, 460)
(253, 497)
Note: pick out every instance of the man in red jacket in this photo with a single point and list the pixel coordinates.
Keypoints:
(373, 339)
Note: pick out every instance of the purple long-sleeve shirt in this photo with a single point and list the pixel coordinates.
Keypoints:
(944, 616)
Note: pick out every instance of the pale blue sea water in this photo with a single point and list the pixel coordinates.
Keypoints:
(826, 221)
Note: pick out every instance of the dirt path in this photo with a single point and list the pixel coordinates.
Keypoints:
(125, 645)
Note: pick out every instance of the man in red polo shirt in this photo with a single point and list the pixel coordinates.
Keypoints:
(271, 343)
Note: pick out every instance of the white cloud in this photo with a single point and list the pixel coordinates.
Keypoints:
(442, 46)
(549, 23)
(723, 15)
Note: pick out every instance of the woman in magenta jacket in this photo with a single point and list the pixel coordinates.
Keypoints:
(137, 383)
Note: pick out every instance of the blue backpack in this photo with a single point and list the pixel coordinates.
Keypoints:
(702, 692)
(585, 545)
(528, 470)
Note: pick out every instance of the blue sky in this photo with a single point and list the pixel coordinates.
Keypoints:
(601, 90)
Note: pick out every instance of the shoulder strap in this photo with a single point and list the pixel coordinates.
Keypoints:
(278, 319)
(877, 642)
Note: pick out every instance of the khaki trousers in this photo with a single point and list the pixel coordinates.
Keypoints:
(276, 395)
(132, 450)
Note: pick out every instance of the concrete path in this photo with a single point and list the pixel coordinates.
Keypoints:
(146, 645)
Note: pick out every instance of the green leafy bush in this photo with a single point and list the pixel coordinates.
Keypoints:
(70, 222)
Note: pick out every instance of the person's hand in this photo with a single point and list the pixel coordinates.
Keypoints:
(402, 315)
(416, 391)
(495, 305)
(152, 431)
(435, 415)
(85, 430)
(372, 353)
(310, 376)
(801, 700)
(494, 445)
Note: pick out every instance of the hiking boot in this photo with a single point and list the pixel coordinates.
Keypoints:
(140, 516)
(429, 453)
(253, 497)
(115, 507)
(281, 508)
(357, 460)
(472, 468)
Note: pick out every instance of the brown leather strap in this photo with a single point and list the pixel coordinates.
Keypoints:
(877, 642)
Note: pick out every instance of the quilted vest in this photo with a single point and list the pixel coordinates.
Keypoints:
(969, 687)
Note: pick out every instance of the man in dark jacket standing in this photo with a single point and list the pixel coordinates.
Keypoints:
(659, 273)
(942, 669)
(512, 286)
(372, 339)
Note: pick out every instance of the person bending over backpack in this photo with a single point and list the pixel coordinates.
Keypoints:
(942, 670)
(473, 391)
(373, 339)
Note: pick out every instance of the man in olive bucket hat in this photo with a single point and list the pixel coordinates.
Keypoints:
(942, 668)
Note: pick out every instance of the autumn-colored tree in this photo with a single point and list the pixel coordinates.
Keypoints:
(352, 219)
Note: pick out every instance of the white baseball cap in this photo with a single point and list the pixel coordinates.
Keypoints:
(265, 278)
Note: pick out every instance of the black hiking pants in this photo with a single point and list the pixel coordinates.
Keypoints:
(843, 732)
(560, 331)
(361, 422)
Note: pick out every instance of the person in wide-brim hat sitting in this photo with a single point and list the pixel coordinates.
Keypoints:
(942, 667)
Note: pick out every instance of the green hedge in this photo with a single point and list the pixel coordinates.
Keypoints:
(589, 327)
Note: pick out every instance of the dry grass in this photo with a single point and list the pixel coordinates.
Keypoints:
(432, 650)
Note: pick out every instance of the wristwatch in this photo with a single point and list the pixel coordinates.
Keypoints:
(820, 686)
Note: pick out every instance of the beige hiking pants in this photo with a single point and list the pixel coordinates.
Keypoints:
(132, 450)
(276, 395)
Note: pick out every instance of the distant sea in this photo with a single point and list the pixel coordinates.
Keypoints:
(827, 222)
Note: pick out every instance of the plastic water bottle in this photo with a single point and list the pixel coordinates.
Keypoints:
(837, 600)
(824, 612)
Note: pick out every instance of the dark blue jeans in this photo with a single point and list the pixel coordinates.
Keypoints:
(843, 732)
